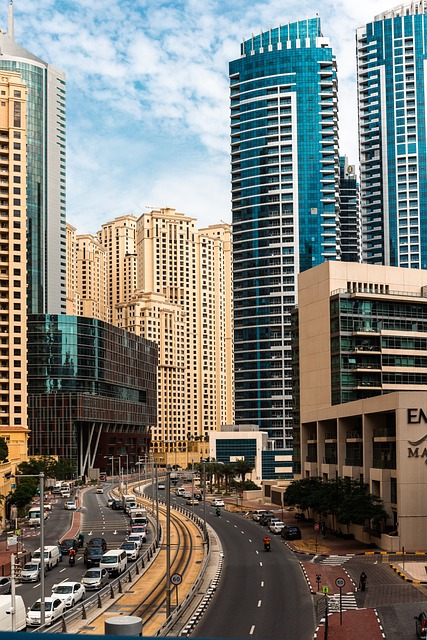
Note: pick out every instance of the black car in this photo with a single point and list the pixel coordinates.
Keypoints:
(265, 517)
(92, 556)
(5, 585)
(117, 504)
(291, 533)
(97, 542)
(421, 625)
(66, 545)
(198, 496)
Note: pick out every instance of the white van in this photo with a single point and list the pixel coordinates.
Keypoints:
(34, 516)
(115, 561)
(6, 613)
(51, 556)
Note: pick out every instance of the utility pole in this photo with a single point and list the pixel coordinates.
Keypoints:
(168, 543)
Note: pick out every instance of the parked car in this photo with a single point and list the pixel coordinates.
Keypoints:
(68, 544)
(5, 585)
(70, 505)
(131, 548)
(69, 592)
(291, 533)
(421, 625)
(95, 578)
(217, 502)
(276, 526)
(266, 517)
(256, 515)
(54, 609)
(267, 520)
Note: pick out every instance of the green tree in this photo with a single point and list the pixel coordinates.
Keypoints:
(64, 469)
(34, 466)
(242, 467)
(4, 450)
(24, 492)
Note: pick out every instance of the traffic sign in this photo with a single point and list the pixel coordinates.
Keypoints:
(176, 579)
(17, 532)
(316, 527)
(340, 582)
(325, 589)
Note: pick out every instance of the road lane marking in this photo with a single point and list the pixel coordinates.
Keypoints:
(251, 632)
(262, 583)
(235, 526)
(256, 551)
(62, 570)
(242, 532)
(250, 540)
(260, 564)
(259, 603)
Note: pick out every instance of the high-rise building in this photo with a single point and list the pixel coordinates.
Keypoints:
(350, 218)
(285, 194)
(13, 252)
(392, 136)
(184, 303)
(46, 178)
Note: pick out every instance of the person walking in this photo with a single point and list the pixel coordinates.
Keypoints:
(363, 580)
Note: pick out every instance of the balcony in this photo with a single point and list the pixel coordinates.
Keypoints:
(353, 462)
(353, 435)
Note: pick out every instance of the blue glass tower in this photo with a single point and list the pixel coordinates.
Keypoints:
(285, 193)
(391, 62)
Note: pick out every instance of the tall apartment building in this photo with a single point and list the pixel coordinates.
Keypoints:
(118, 238)
(350, 215)
(46, 174)
(285, 188)
(13, 251)
(392, 136)
(183, 303)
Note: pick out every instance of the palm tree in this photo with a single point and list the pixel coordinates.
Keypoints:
(242, 467)
(228, 471)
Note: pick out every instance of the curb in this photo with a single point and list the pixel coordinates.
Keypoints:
(405, 578)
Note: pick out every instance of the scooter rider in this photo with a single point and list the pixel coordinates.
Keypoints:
(72, 558)
(218, 511)
(266, 540)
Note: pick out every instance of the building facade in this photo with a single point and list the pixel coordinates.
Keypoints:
(45, 197)
(361, 366)
(92, 391)
(392, 136)
(285, 194)
(350, 214)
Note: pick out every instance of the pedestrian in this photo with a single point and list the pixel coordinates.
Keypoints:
(363, 581)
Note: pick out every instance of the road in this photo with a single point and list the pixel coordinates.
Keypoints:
(261, 594)
(97, 520)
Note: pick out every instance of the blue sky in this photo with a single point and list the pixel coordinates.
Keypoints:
(147, 93)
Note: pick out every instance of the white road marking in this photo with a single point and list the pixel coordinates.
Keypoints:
(62, 570)
(250, 540)
(252, 630)
(36, 586)
(260, 564)
(257, 551)
(235, 526)
(242, 532)
(259, 603)
(262, 583)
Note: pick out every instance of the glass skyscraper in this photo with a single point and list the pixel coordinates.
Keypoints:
(350, 218)
(285, 194)
(392, 84)
(46, 166)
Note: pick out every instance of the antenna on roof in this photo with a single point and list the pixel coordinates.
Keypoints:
(10, 21)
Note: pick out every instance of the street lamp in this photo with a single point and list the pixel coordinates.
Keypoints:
(112, 458)
(122, 455)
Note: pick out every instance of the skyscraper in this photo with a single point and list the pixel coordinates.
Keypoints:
(350, 218)
(285, 184)
(46, 160)
(392, 136)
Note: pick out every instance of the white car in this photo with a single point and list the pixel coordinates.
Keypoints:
(139, 538)
(132, 549)
(69, 592)
(70, 505)
(161, 486)
(217, 502)
(276, 527)
(54, 609)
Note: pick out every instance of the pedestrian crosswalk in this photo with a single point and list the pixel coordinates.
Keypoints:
(336, 561)
(348, 601)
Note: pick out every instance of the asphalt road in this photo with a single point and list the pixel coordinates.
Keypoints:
(261, 594)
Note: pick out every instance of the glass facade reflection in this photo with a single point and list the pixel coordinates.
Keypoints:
(90, 386)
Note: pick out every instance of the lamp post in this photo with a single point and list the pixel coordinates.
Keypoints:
(112, 458)
(122, 455)
(168, 542)
(205, 533)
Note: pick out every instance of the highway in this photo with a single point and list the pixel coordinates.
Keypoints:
(261, 594)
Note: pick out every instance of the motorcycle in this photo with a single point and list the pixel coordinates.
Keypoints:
(266, 546)
(218, 511)
(72, 560)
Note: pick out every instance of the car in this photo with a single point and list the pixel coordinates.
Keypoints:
(217, 502)
(65, 493)
(276, 526)
(70, 505)
(69, 592)
(291, 533)
(265, 520)
(141, 529)
(31, 571)
(95, 578)
(5, 585)
(66, 545)
(191, 501)
(95, 549)
(98, 542)
(421, 625)
(110, 502)
(99, 490)
(180, 491)
(117, 504)
(198, 496)
(47, 506)
(256, 515)
(136, 537)
(54, 609)
(132, 549)
(186, 494)
(161, 486)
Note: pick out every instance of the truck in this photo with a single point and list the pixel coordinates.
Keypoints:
(7, 615)
(129, 502)
(34, 516)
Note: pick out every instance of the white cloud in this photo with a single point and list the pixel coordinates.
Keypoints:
(147, 93)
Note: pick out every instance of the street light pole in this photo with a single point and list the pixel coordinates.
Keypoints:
(205, 534)
(168, 543)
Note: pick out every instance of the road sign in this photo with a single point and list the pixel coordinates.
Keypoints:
(340, 582)
(316, 527)
(12, 540)
(325, 589)
(176, 579)
(17, 532)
